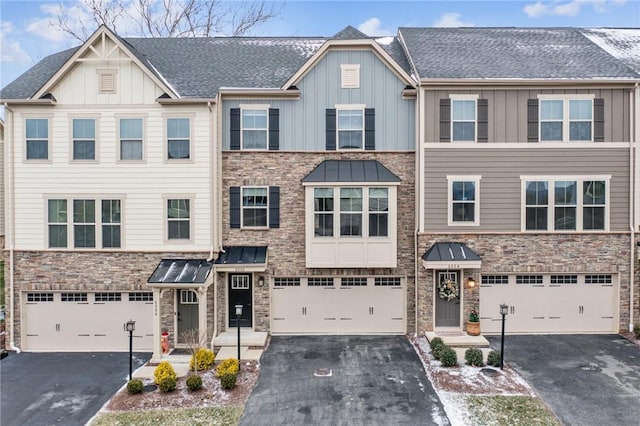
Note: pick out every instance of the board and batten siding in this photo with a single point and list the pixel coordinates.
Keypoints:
(500, 184)
(141, 185)
(302, 122)
(508, 112)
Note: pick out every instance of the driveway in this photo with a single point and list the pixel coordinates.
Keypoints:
(60, 388)
(374, 380)
(584, 379)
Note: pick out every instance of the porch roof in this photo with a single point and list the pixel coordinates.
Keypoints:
(180, 272)
(449, 255)
(242, 259)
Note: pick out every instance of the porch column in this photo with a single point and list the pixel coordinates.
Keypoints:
(157, 347)
(202, 314)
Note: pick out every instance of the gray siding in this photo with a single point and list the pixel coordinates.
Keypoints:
(508, 112)
(302, 122)
(500, 186)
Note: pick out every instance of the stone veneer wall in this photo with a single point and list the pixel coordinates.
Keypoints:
(527, 253)
(286, 256)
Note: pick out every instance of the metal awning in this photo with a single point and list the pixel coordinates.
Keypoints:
(242, 259)
(349, 171)
(451, 256)
(181, 273)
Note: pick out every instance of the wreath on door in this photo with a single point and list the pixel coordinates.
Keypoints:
(448, 290)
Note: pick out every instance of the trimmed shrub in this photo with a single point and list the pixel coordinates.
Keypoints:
(164, 370)
(473, 356)
(228, 366)
(167, 384)
(437, 350)
(203, 359)
(194, 382)
(435, 341)
(448, 357)
(636, 331)
(135, 386)
(493, 359)
(228, 380)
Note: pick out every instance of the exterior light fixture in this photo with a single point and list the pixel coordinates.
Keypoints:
(130, 326)
(471, 283)
(504, 309)
(238, 315)
(261, 281)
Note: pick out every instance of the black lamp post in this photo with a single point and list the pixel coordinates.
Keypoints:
(238, 315)
(131, 325)
(504, 309)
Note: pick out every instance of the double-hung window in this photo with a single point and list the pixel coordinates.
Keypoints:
(378, 212)
(464, 200)
(131, 139)
(323, 212)
(537, 205)
(84, 223)
(255, 128)
(84, 139)
(350, 128)
(350, 212)
(37, 138)
(57, 223)
(255, 205)
(463, 119)
(111, 224)
(91, 227)
(178, 138)
(566, 119)
(178, 219)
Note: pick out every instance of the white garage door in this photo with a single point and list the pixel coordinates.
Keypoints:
(354, 305)
(82, 321)
(562, 303)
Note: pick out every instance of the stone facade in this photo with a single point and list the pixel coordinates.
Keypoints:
(286, 244)
(527, 253)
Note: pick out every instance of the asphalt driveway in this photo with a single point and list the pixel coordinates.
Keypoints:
(584, 379)
(60, 388)
(374, 380)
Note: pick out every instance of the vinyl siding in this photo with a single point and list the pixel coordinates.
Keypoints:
(500, 184)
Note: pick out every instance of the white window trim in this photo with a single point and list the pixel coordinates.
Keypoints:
(264, 107)
(565, 98)
(551, 179)
(119, 140)
(350, 68)
(463, 178)
(165, 218)
(465, 97)
(349, 107)
(49, 118)
(242, 188)
(96, 148)
(165, 138)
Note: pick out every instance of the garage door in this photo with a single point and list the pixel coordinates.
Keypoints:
(353, 305)
(562, 303)
(81, 321)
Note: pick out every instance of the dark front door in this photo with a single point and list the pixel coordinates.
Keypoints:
(187, 314)
(447, 311)
(240, 293)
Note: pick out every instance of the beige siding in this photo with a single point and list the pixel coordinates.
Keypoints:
(500, 186)
(508, 112)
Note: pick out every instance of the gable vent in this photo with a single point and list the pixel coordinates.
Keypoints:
(107, 81)
(350, 76)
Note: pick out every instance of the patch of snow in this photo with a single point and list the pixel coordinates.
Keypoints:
(393, 379)
(385, 41)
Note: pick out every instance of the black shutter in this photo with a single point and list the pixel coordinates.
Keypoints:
(445, 120)
(532, 120)
(274, 129)
(234, 127)
(483, 120)
(369, 128)
(331, 129)
(274, 207)
(598, 120)
(234, 207)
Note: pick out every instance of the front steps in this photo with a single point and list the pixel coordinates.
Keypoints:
(252, 344)
(460, 342)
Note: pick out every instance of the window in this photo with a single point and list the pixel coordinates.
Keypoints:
(567, 119)
(463, 120)
(188, 297)
(565, 204)
(350, 128)
(254, 128)
(130, 139)
(73, 297)
(350, 76)
(240, 282)
(598, 279)
(286, 282)
(178, 138)
(528, 279)
(178, 219)
(320, 282)
(350, 212)
(57, 223)
(39, 297)
(463, 200)
(84, 226)
(84, 139)
(141, 296)
(378, 212)
(111, 224)
(495, 279)
(388, 282)
(108, 297)
(254, 207)
(323, 212)
(353, 282)
(37, 137)
(564, 279)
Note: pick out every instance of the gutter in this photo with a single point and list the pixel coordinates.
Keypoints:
(633, 101)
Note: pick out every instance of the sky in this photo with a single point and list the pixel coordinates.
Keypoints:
(27, 32)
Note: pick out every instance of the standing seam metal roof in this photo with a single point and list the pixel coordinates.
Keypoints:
(351, 171)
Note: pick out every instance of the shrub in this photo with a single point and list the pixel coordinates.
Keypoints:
(194, 382)
(135, 386)
(435, 341)
(437, 350)
(164, 370)
(203, 360)
(228, 366)
(228, 380)
(636, 331)
(493, 359)
(473, 356)
(167, 384)
(448, 357)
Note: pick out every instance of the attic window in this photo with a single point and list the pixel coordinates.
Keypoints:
(106, 81)
(350, 76)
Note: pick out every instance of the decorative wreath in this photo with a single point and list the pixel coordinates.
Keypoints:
(448, 290)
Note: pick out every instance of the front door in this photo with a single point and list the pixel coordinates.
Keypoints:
(187, 313)
(240, 293)
(447, 311)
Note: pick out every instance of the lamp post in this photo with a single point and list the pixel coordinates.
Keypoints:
(504, 308)
(238, 315)
(130, 326)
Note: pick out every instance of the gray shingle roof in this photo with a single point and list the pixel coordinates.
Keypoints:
(622, 43)
(351, 171)
(350, 33)
(509, 53)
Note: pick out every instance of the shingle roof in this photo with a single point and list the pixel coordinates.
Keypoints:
(622, 43)
(350, 33)
(351, 171)
(509, 53)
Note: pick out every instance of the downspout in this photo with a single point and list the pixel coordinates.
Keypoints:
(212, 200)
(10, 215)
(634, 101)
(418, 185)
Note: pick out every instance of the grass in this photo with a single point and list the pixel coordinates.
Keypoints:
(509, 410)
(179, 417)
